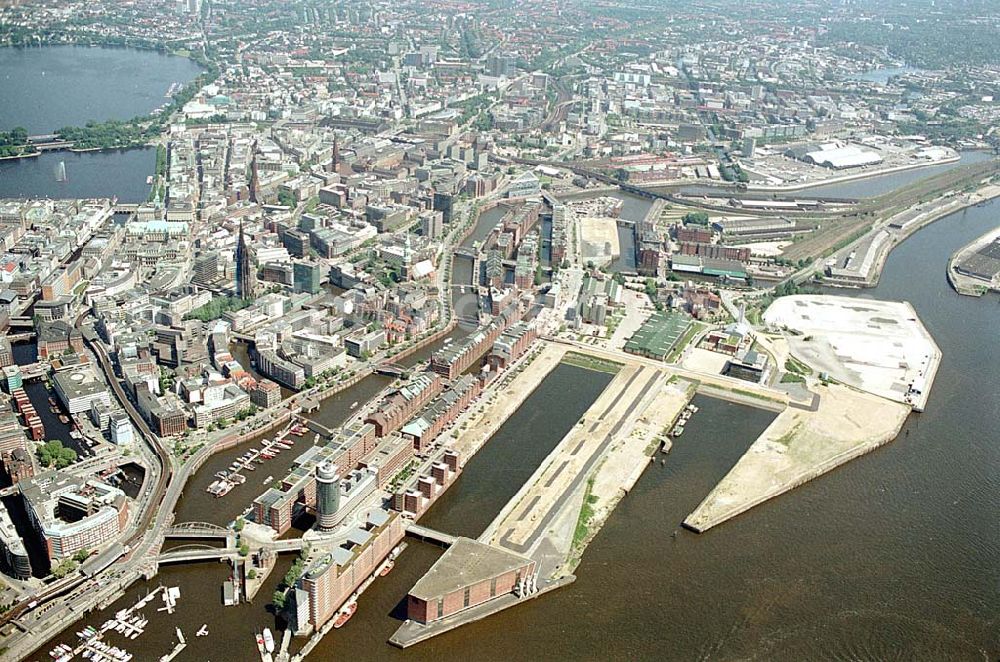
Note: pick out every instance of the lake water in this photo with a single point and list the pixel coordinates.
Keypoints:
(105, 174)
(51, 87)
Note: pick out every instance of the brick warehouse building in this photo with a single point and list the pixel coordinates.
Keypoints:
(328, 582)
(453, 361)
(468, 574)
(399, 406)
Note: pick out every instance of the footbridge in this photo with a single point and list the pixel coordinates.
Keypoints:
(431, 535)
(392, 370)
(198, 530)
(197, 552)
(203, 552)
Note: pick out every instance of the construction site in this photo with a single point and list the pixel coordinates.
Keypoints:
(857, 385)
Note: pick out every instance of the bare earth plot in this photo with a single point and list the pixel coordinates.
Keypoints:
(800, 445)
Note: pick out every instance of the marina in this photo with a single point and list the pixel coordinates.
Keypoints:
(129, 623)
(248, 461)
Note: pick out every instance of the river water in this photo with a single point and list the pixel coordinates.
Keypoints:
(51, 87)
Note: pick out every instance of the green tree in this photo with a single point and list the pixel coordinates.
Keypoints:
(65, 567)
(651, 288)
(55, 454)
(696, 218)
(286, 198)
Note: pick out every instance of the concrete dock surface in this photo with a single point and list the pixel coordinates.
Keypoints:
(877, 346)
(610, 418)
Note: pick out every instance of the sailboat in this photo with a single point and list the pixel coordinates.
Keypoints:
(61, 172)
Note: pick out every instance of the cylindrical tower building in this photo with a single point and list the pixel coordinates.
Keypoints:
(327, 495)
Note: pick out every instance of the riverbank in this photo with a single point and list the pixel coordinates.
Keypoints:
(868, 174)
(901, 226)
(965, 284)
(16, 157)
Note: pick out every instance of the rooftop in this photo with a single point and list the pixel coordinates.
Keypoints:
(466, 562)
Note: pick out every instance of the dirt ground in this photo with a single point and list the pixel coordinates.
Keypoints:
(800, 445)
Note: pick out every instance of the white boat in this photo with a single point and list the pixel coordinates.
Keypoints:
(268, 640)
(354, 406)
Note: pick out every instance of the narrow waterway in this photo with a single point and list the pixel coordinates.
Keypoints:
(487, 221)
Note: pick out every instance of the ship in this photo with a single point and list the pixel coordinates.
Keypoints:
(345, 615)
(203, 632)
(260, 645)
(386, 569)
(268, 640)
(219, 488)
(354, 405)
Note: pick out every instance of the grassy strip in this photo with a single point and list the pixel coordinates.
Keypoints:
(796, 366)
(689, 333)
(589, 362)
(586, 513)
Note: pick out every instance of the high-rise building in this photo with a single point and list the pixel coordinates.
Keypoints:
(246, 274)
(306, 276)
(327, 495)
(255, 192)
